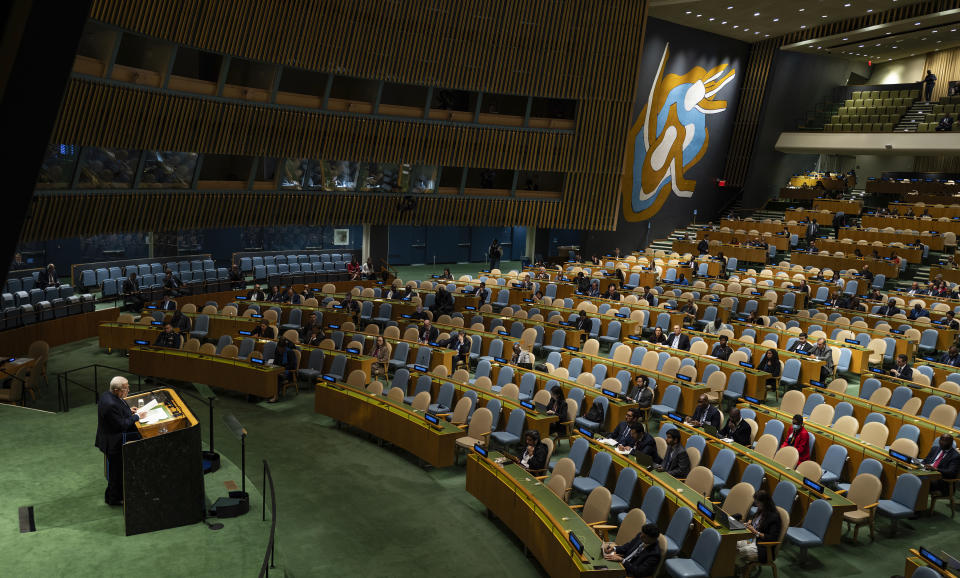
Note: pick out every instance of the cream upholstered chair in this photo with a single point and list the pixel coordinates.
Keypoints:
(421, 401)
(881, 396)
(912, 405)
(693, 454)
(810, 470)
(357, 378)
(875, 434)
(822, 414)
(847, 425)
(478, 431)
(767, 445)
(792, 402)
(700, 480)
(596, 509)
(375, 388)
(944, 414)
(461, 411)
(905, 446)
(208, 349)
(864, 492)
(396, 395)
(558, 485)
(787, 457)
(739, 500)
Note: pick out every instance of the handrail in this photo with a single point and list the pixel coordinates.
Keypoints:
(64, 381)
(268, 559)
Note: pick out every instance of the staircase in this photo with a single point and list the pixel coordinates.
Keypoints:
(916, 113)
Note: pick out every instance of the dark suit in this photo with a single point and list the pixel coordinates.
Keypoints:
(682, 341)
(947, 359)
(905, 372)
(255, 295)
(708, 415)
(115, 425)
(646, 445)
(642, 563)
(643, 397)
(538, 460)
(739, 433)
(888, 310)
(722, 351)
(170, 340)
(676, 462)
(804, 348)
(132, 297)
(168, 306)
(48, 279)
(622, 434)
(949, 467)
(430, 335)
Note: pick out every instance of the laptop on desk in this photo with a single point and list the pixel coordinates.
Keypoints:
(728, 521)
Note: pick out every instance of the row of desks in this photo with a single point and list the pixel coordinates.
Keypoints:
(781, 242)
(902, 188)
(935, 242)
(911, 254)
(775, 227)
(857, 451)
(742, 253)
(823, 218)
(948, 211)
(929, 431)
(910, 223)
(887, 268)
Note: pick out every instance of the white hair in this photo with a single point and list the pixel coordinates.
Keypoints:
(118, 383)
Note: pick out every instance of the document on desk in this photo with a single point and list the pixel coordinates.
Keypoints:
(608, 442)
(154, 415)
(150, 405)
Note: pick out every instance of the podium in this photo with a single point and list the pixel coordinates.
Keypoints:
(163, 470)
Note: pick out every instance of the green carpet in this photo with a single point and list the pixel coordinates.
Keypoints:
(50, 463)
(345, 504)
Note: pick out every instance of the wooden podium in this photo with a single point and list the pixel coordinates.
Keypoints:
(163, 470)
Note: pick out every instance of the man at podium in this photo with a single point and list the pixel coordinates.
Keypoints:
(116, 422)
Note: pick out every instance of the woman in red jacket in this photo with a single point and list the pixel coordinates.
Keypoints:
(798, 438)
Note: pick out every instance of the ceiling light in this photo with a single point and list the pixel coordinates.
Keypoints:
(844, 39)
(699, 15)
(953, 30)
(756, 33)
(712, 19)
(861, 46)
(801, 10)
(847, 5)
(729, 7)
(803, 26)
(756, 14)
(746, 30)
(916, 24)
(688, 11)
(776, 20)
(934, 31)
(724, 22)
(894, 47)
(823, 16)
(766, 35)
(736, 26)
(869, 10)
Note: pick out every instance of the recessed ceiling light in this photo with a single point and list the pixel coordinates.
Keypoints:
(766, 35)
(844, 39)
(724, 22)
(756, 33)
(736, 26)
(729, 7)
(869, 10)
(776, 20)
(712, 19)
(823, 16)
(916, 24)
(861, 46)
(847, 5)
(689, 12)
(934, 32)
(756, 14)
(746, 30)
(801, 10)
(894, 47)
(699, 15)
(877, 44)
(803, 26)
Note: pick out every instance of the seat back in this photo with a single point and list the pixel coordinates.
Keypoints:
(652, 503)
(818, 518)
(723, 464)
(705, 551)
(700, 479)
(739, 500)
(578, 452)
(597, 507)
(631, 524)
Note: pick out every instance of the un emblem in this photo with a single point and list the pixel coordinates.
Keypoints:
(669, 137)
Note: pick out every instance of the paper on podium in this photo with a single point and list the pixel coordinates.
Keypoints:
(154, 415)
(150, 405)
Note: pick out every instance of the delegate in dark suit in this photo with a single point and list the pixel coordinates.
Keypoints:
(739, 432)
(948, 464)
(428, 334)
(621, 433)
(678, 341)
(646, 445)
(676, 462)
(538, 460)
(640, 563)
(707, 415)
(115, 425)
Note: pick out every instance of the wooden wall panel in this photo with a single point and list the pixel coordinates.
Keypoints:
(946, 66)
(556, 48)
(585, 50)
(65, 215)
